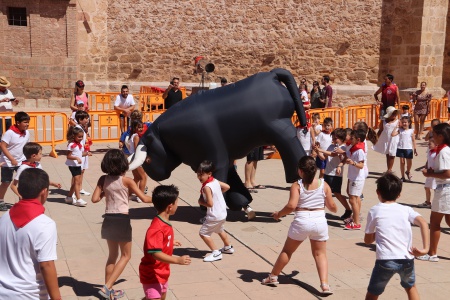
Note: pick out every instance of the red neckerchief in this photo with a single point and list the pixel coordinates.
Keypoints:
(433, 150)
(326, 132)
(33, 165)
(17, 130)
(348, 143)
(206, 182)
(358, 146)
(24, 211)
(308, 125)
(144, 129)
(439, 148)
(76, 144)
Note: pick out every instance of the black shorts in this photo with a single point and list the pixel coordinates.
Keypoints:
(404, 153)
(75, 171)
(7, 173)
(256, 154)
(117, 227)
(335, 183)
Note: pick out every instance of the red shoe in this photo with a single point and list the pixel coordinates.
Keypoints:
(352, 226)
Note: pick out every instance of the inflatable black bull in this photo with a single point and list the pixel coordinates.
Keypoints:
(225, 124)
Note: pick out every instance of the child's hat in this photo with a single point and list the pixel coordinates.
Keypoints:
(389, 111)
(80, 102)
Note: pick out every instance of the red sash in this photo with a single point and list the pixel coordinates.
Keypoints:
(25, 211)
(33, 165)
(76, 144)
(16, 130)
(357, 146)
(439, 148)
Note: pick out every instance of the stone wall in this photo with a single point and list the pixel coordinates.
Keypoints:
(40, 60)
(151, 41)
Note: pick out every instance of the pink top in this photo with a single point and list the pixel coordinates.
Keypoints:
(116, 195)
(83, 97)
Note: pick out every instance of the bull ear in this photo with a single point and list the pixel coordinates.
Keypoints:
(137, 159)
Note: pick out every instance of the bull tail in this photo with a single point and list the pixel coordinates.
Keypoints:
(286, 77)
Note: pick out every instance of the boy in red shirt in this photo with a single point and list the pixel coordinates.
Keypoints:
(154, 270)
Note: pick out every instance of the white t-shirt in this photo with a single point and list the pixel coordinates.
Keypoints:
(355, 173)
(76, 151)
(324, 140)
(333, 162)
(441, 163)
(15, 142)
(72, 117)
(405, 138)
(304, 138)
(24, 167)
(130, 144)
(6, 106)
(218, 211)
(124, 103)
(305, 95)
(21, 252)
(393, 235)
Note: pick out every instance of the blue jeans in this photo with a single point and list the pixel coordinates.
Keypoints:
(385, 269)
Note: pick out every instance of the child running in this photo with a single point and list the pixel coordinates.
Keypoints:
(13, 141)
(388, 225)
(33, 155)
(139, 175)
(216, 211)
(440, 207)
(74, 161)
(405, 146)
(116, 227)
(308, 198)
(154, 270)
(430, 182)
(384, 142)
(356, 177)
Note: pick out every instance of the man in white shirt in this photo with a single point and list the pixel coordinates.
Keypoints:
(125, 105)
(6, 102)
(28, 243)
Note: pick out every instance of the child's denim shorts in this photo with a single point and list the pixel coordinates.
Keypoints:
(385, 269)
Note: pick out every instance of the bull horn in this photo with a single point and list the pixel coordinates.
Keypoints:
(137, 159)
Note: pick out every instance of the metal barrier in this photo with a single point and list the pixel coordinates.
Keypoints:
(364, 113)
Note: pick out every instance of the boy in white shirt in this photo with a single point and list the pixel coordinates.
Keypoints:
(80, 107)
(323, 141)
(13, 141)
(356, 176)
(212, 198)
(388, 225)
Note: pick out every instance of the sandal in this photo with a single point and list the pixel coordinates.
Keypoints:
(252, 190)
(110, 293)
(424, 205)
(270, 280)
(259, 187)
(326, 290)
(408, 174)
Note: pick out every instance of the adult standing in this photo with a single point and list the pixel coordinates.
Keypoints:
(79, 95)
(7, 100)
(315, 96)
(327, 91)
(421, 99)
(125, 105)
(389, 94)
(172, 95)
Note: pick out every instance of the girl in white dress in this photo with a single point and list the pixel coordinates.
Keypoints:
(385, 144)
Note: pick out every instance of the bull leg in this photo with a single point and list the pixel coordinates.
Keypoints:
(237, 197)
(284, 137)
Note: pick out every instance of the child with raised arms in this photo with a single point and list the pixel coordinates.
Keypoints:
(154, 270)
(116, 227)
(389, 226)
(33, 155)
(308, 198)
(216, 211)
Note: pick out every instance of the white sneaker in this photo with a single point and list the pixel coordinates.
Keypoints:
(138, 199)
(202, 220)
(250, 213)
(426, 257)
(215, 255)
(227, 250)
(84, 192)
(70, 200)
(80, 202)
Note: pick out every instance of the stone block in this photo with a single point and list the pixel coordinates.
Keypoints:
(27, 103)
(58, 102)
(41, 103)
(38, 83)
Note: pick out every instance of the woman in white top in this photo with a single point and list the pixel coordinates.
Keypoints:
(405, 146)
(386, 144)
(308, 198)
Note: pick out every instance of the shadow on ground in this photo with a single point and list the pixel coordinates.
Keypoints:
(82, 288)
(251, 276)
